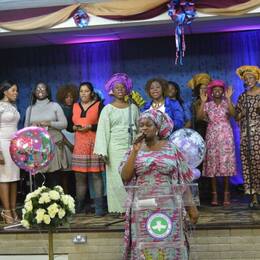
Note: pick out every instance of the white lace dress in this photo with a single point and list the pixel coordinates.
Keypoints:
(9, 117)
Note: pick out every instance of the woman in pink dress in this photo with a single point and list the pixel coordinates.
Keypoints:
(154, 163)
(220, 156)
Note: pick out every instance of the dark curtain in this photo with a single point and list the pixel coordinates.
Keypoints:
(218, 54)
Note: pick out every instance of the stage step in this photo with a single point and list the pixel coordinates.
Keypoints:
(221, 234)
(99, 245)
(217, 244)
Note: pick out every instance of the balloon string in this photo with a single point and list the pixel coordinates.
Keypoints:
(44, 178)
(43, 181)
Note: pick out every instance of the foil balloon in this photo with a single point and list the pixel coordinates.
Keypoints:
(32, 149)
(81, 18)
(191, 144)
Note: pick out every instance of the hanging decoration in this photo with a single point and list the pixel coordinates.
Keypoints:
(181, 13)
(81, 18)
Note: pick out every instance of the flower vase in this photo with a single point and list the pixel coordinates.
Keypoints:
(50, 244)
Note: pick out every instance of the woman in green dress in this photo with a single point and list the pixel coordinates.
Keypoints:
(112, 137)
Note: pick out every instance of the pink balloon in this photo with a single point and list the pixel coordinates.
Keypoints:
(32, 148)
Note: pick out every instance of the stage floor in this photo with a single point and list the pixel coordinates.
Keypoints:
(222, 233)
(237, 215)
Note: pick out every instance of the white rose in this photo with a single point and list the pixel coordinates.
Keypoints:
(46, 219)
(25, 223)
(23, 212)
(45, 198)
(39, 190)
(53, 210)
(42, 188)
(65, 199)
(28, 206)
(71, 204)
(29, 196)
(59, 188)
(39, 215)
(36, 192)
(61, 213)
(54, 195)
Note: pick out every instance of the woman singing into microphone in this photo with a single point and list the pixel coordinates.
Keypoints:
(153, 162)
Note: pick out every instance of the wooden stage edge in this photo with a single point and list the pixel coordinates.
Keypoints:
(222, 233)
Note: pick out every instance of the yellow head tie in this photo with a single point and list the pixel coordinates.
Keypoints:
(247, 69)
(199, 79)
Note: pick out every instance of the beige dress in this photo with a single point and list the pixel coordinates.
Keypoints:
(9, 118)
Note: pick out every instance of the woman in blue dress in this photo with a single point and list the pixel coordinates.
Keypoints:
(156, 89)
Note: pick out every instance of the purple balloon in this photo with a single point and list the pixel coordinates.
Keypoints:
(32, 149)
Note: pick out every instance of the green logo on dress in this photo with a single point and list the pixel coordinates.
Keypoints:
(159, 225)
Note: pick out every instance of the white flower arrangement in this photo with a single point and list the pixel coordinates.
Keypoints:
(47, 208)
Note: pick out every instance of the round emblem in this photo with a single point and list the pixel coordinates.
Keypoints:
(159, 225)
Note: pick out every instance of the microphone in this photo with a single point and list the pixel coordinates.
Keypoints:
(130, 100)
(139, 138)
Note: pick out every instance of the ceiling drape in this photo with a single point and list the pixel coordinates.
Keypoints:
(126, 10)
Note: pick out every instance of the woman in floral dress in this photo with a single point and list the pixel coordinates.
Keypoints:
(152, 163)
(220, 156)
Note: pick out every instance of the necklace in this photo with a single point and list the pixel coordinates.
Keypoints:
(157, 105)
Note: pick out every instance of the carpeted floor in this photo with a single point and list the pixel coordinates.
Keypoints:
(238, 214)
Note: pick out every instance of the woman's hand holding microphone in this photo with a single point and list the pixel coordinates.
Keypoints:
(137, 144)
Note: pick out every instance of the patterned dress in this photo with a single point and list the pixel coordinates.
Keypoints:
(155, 169)
(112, 142)
(9, 117)
(83, 159)
(254, 123)
(220, 155)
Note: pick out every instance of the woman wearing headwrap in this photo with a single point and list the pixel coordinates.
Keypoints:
(112, 139)
(220, 153)
(249, 101)
(153, 162)
(198, 84)
(156, 88)
(9, 172)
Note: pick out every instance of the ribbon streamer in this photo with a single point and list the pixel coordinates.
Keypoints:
(181, 13)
